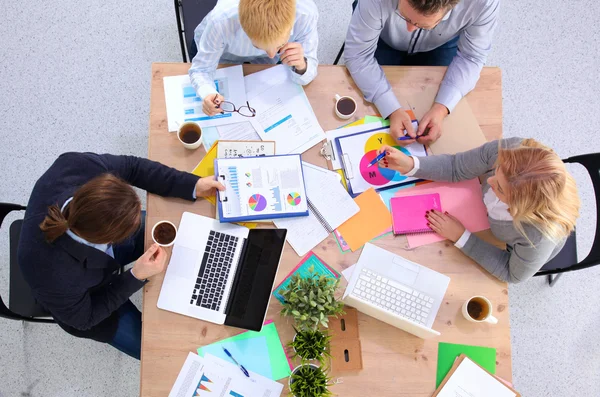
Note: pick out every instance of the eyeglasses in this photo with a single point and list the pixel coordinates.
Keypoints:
(246, 110)
(397, 11)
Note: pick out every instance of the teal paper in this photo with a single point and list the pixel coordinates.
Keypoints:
(386, 195)
(209, 136)
(252, 353)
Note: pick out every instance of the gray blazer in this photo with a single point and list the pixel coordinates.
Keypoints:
(520, 260)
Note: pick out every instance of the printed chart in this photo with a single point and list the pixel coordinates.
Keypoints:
(379, 174)
(257, 202)
(294, 199)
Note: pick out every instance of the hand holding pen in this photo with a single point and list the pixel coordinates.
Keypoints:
(395, 159)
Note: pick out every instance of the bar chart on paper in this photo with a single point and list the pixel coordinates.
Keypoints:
(192, 103)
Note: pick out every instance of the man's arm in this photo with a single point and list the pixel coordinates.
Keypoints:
(473, 47)
(361, 42)
(210, 44)
(309, 39)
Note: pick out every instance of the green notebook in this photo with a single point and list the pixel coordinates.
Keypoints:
(280, 365)
(447, 353)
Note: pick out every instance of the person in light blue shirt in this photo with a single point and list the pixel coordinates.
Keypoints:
(453, 33)
(255, 31)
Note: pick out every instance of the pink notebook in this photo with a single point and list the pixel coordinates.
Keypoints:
(408, 213)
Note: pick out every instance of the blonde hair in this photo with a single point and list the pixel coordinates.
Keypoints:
(266, 21)
(541, 191)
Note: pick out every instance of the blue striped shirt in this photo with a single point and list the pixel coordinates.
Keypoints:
(221, 39)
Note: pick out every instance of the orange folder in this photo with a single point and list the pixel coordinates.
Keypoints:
(371, 221)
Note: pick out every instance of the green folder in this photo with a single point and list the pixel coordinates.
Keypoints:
(448, 352)
(280, 365)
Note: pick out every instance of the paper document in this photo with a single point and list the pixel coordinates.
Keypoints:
(243, 131)
(283, 112)
(261, 188)
(330, 205)
(183, 104)
(211, 376)
(470, 380)
(448, 352)
(336, 161)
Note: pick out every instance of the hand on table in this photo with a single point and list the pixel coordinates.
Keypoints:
(206, 186)
(445, 225)
(400, 121)
(292, 54)
(210, 105)
(430, 126)
(153, 261)
(396, 160)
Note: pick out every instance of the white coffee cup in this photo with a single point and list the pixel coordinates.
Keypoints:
(343, 107)
(162, 244)
(481, 305)
(187, 130)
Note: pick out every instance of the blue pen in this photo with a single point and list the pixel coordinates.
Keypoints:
(235, 361)
(379, 157)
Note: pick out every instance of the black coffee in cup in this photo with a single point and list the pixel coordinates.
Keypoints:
(190, 133)
(346, 106)
(164, 233)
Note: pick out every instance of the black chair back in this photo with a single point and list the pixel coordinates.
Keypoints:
(189, 14)
(566, 260)
(22, 305)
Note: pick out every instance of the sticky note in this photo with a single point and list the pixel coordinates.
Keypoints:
(372, 220)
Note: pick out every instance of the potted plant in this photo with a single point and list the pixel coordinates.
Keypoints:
(308, 380)
(311, 345)
(311, 300)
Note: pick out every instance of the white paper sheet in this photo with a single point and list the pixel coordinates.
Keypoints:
(469, 380)
(329, 198)
(211, 376)
(243, 131)
(183, 104)
(283, 113)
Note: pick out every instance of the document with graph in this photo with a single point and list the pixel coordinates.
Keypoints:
(258, 188)
(184, 104)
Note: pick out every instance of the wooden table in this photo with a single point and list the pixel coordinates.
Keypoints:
(395, 363)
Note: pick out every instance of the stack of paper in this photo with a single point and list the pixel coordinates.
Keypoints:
(319, 267)
(212, 376)
(261, 352)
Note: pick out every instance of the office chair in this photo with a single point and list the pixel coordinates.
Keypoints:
(566, 260)
(21, 304)
(339, 55)
(189, 14)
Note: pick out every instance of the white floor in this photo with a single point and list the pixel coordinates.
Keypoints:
(75, 76)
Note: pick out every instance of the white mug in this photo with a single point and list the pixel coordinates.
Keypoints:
(338, 98)
(196, 128)
(160, 223)
(486, 306)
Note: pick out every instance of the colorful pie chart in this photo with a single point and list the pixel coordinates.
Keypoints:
(294, 199)
(257, 202)
(379, 175)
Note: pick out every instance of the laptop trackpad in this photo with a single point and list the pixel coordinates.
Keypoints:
(405, 272)
(183, 262)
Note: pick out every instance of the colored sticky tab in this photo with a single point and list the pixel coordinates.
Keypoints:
(252, 353)
(372, 220)
(280, 364)
(448, 352)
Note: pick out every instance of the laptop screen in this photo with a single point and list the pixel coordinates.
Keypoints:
(254, 278)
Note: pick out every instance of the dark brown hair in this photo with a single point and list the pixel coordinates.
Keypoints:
(430, 7)
(106, 210)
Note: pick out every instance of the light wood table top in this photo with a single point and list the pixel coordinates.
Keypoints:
(395, 363)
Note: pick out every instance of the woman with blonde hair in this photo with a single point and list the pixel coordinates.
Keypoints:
(531, 199)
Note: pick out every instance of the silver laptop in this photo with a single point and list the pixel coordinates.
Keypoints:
(396, 291)
(222, 273)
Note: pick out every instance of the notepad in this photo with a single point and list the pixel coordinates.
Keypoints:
(408, 213)
(329, 205)
(372, 220)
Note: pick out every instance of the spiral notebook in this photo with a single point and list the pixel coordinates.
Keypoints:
(408, 213)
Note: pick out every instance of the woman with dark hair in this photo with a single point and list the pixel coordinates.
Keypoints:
(83, 224)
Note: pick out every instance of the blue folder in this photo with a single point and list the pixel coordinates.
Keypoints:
(238, 176)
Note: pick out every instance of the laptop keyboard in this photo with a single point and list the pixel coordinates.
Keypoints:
(393, 297)
(214, 270)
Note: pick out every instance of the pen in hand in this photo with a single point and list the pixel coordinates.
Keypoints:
(235, 361)
(377, 159)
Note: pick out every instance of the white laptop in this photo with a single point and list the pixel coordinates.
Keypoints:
(222, 273)
(396, 291)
